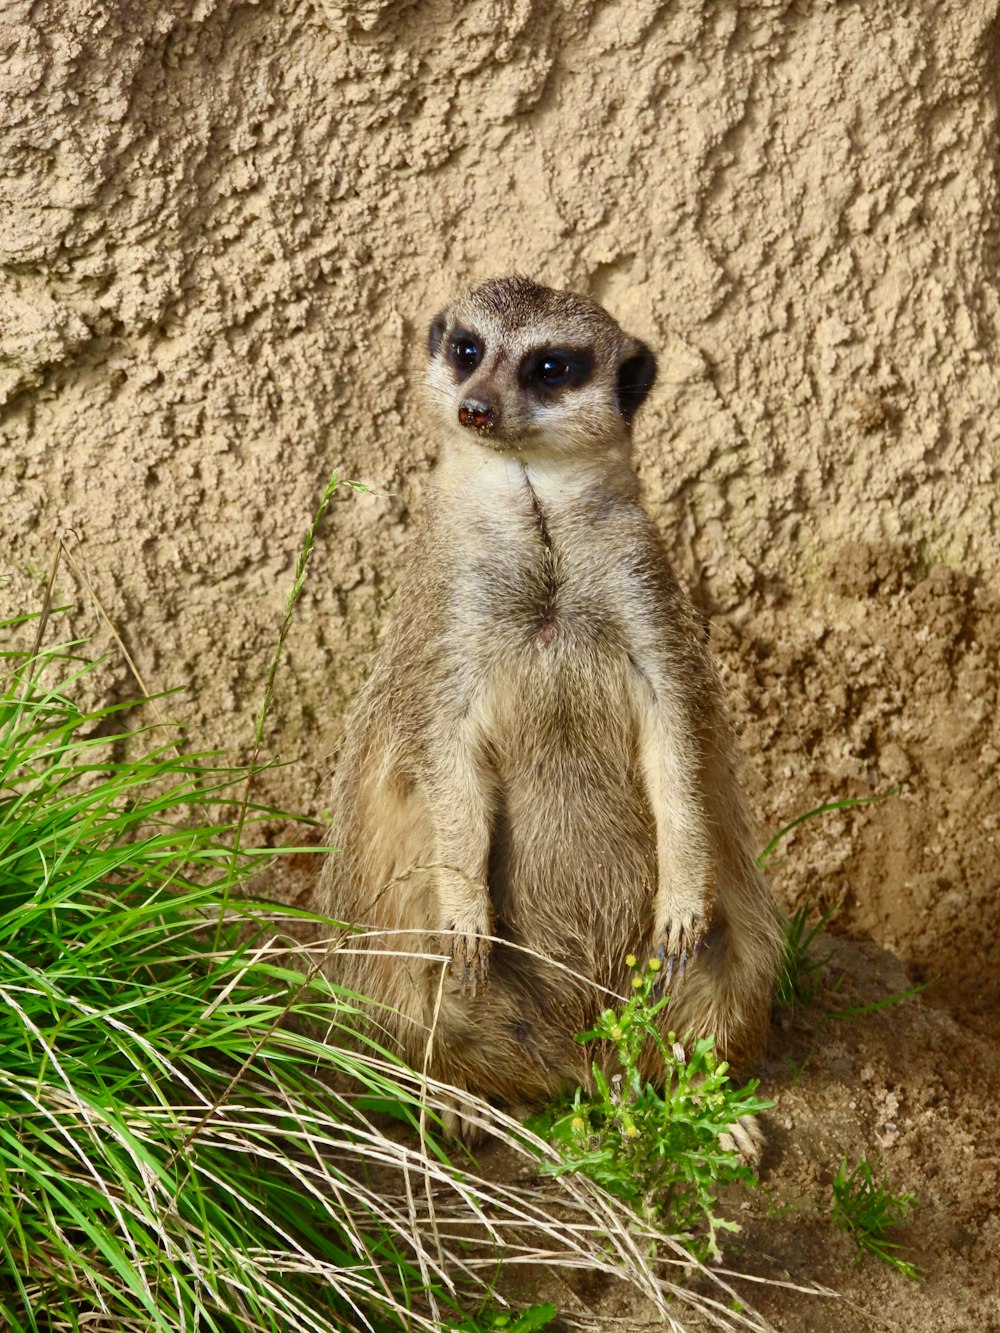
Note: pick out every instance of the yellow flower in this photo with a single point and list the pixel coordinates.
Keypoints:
(630, 960)
(655, 965)
(636, 982)
(631, 1131)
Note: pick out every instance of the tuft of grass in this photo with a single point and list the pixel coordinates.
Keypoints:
(800, 967)
(867, 1209)
(665, 1153)
(121, 1022)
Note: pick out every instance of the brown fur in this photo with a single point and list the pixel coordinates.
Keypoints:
(541, 752)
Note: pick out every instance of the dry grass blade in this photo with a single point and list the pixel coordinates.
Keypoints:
(457, 1228)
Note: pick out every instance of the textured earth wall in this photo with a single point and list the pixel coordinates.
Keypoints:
(224, 226)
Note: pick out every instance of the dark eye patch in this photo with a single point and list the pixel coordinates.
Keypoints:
(548, 369)
(465, 351)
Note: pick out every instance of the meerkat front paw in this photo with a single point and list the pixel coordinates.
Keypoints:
(678, 941)
(469, 944)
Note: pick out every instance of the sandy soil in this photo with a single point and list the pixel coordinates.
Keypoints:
(890, 685)
(913, 1086)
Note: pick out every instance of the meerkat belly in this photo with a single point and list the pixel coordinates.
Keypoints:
(573, 860)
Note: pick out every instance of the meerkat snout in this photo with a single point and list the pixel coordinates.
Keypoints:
(476, 415)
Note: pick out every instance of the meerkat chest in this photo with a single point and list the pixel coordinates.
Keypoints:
(555, 657)
(555, 601)
(546, 585)
(549, 619)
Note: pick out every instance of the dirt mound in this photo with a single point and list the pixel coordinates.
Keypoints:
(907, 1086)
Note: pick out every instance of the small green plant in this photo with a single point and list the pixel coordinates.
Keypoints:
(666, 1152)
(800, 968)
(798, 1067)
(848, 803)
(866, 1208)
(851, 1012)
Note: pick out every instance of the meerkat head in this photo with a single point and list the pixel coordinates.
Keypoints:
(521, 368)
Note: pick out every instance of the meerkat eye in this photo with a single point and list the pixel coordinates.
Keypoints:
(466, 352)
(557, 367)
(554, 369)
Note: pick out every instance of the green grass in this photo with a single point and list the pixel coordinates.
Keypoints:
(128, 1192)
(800, 967)
(863, 1206)
(846, 803)
(868, 1209)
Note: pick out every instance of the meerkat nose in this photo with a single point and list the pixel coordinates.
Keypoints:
(476, 415)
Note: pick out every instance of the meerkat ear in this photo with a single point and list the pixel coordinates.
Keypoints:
(436, 332)
(635, 379)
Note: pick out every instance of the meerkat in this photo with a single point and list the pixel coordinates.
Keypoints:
(538, 777)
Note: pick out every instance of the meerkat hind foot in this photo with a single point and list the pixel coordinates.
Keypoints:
(460, 1123)
(746, 1138)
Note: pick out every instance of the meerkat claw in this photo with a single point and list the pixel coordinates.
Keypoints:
(668, 968)
(679, 946)
(745, 1138)
(470, 960)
